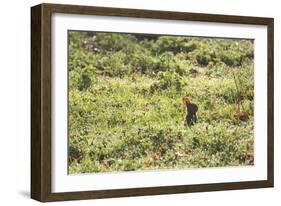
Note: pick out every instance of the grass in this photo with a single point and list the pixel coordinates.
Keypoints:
(126, 111)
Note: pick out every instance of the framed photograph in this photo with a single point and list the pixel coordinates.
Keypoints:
(130, 102)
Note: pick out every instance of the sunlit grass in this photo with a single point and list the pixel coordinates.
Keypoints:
(134, 120)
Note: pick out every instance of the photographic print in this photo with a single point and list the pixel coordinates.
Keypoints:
(139, 102)
(130, 102)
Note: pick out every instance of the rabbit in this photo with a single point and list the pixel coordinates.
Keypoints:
(191, 110)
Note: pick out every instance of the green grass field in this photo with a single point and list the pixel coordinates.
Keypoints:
(125, 102)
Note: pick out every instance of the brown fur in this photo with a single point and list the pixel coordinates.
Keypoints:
(191, 110)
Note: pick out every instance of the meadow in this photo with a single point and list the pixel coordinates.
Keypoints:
(125, 110)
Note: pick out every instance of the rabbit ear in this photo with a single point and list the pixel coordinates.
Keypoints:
(185, 100)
